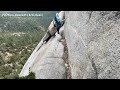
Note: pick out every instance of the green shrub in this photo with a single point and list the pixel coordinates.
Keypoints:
(30, 76)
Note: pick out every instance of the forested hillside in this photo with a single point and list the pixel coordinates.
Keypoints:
(18, 38)
(25, 23)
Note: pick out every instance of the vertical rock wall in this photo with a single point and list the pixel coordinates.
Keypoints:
(93, 40)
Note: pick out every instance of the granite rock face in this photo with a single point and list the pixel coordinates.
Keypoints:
(47, 62)
(93, 40)
(93, 43)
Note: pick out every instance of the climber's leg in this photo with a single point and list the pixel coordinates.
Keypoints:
(57, 30)
(47, 36)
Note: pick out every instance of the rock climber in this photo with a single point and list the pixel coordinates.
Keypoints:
(56, 24)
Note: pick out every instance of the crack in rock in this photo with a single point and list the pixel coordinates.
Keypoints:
(65, 58)
(95, 69)
(90, 14)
